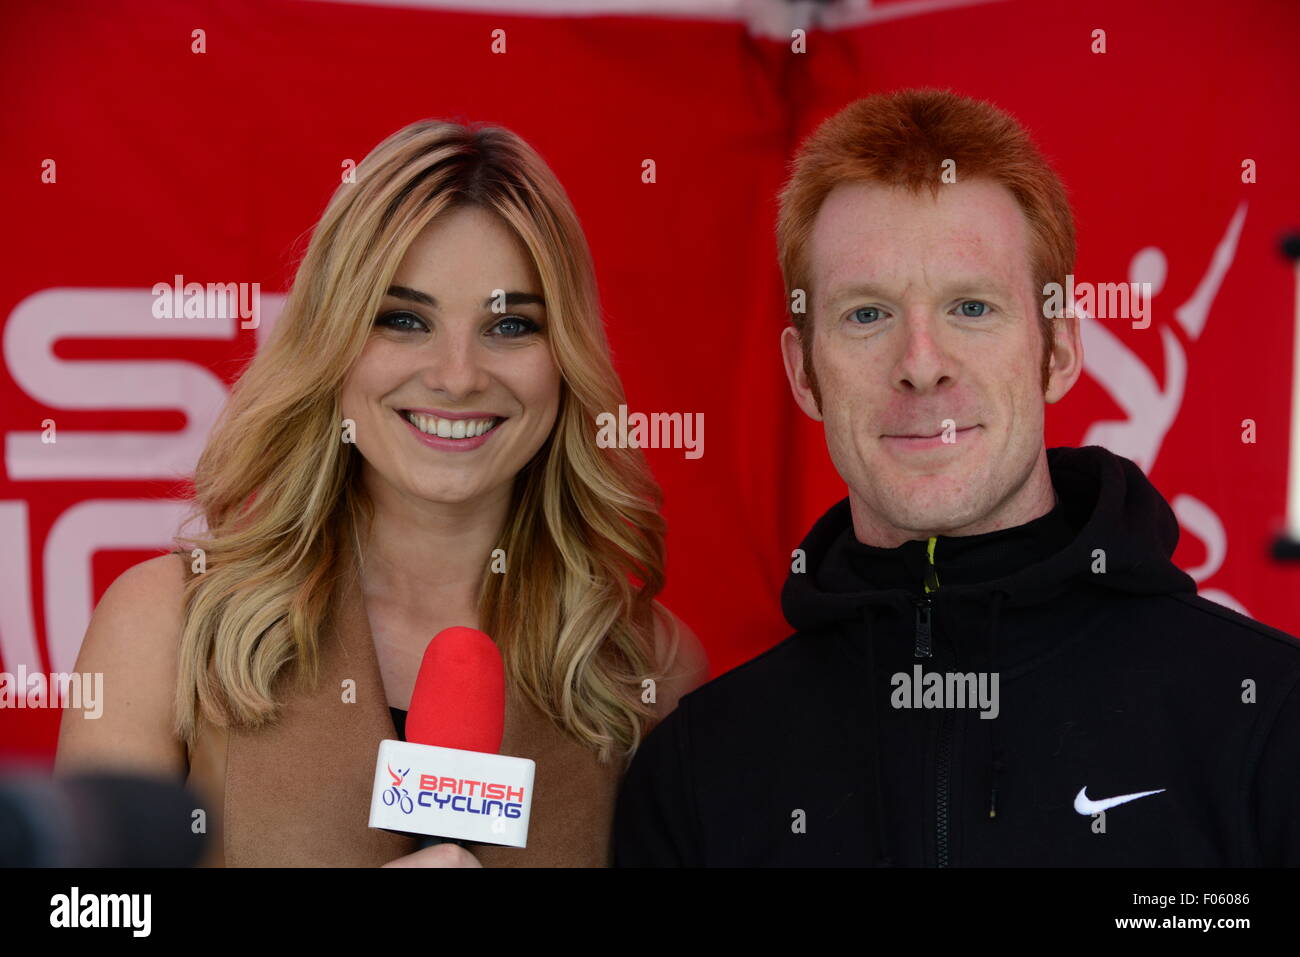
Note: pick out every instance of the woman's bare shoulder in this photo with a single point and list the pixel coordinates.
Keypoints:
(681, 658)
(130, 650)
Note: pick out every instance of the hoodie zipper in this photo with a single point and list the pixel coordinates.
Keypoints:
(941, 798)
(942, 781)
(925, 605)
(925, 649)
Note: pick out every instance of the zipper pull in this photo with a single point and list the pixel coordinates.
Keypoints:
(923, 608)
(924, 605)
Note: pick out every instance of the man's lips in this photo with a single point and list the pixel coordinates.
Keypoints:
(933, 440)
(925, 435)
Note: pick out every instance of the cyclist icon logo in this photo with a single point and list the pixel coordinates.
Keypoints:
(396, 794)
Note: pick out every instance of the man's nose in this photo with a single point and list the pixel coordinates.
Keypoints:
(923, 362)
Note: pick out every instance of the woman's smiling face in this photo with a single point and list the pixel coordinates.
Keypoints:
(456, 389)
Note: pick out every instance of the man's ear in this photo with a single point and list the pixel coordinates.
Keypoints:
(792, 353)
(1066, 360)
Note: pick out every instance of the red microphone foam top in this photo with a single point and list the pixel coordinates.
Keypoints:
(459, 699)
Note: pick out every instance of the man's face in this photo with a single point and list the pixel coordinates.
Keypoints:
(927, 352)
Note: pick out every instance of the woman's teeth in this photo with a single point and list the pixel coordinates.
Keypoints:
(449, 428)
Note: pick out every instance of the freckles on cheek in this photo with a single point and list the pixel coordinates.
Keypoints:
(356, 391)
(540, 383)
(376, 373)
(348, 395)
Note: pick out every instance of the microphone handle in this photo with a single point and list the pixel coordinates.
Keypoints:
(429, 840)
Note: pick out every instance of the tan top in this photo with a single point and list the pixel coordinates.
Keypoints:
(297, 793)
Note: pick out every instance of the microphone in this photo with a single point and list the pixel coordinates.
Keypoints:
(447, 778)
(100, 819)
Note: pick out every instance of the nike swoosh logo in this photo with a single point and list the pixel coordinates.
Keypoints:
(1084, 805)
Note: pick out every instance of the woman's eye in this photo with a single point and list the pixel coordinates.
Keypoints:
(980, 308)
(865, 316)
(402, 322)
(512, 327)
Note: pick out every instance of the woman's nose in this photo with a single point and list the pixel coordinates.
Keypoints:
(454, 366)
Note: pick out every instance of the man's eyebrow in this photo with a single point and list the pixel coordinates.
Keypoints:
(512, 298)
(966, 286)
(860, 290)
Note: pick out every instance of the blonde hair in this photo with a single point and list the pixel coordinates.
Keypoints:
(574, 612)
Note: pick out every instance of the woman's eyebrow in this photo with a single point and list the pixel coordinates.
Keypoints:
(512, 298)
(518, 299)
(412, 295)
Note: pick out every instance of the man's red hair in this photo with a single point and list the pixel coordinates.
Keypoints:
(902, 139)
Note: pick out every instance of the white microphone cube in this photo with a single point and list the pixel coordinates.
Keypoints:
(446, 792)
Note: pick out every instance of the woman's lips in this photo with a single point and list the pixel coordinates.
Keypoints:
(453, 444)
(918, 443)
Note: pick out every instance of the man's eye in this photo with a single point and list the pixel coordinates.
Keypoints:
(402, 322)
(980, 308)
(512, 327)
(865, 316)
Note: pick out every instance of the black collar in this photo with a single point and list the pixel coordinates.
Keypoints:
(960, 560)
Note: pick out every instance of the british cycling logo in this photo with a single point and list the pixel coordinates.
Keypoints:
(396, 794)
(462, 796)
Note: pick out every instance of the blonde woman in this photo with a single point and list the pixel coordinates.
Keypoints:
(413, 449)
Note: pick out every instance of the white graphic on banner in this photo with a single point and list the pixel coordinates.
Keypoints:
(33, 329)
(1152, 410)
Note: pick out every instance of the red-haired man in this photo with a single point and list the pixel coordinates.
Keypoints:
(995, 661)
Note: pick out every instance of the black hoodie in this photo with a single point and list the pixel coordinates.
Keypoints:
(1113, 680)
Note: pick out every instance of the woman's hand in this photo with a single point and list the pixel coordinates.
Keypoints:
(440, 855)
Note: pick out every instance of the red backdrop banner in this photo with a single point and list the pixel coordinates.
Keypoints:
(215, 165)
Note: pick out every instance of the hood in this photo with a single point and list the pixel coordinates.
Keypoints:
(1110, 526)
